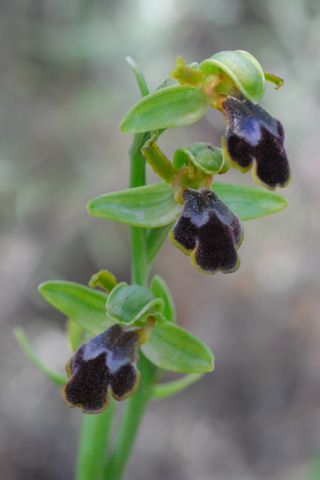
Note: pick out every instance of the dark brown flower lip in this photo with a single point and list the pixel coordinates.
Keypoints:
(253, 135)
(105, 362)
(208, 231)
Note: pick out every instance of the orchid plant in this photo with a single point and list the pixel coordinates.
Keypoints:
(125, 336)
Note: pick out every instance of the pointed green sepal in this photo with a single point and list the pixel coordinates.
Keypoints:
(249, 202)
(149, 206)
(206, 157)
(168, 107)
(83, 305)
(133, 304)
(160, 289)
(173, 348)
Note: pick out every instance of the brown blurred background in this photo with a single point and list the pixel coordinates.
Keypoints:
(64, 88)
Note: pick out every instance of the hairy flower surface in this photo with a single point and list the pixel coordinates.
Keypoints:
(254, 135)
(208, 231)
(106, 361)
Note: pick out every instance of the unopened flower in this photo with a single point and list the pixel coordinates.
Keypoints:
(254, 135)
(106, 361)
(208, 231)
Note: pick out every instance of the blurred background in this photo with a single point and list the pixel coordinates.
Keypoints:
(64, 88)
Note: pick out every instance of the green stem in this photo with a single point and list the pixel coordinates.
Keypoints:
(131, 420)
(136, 404)
(93, 443)
(138, 235)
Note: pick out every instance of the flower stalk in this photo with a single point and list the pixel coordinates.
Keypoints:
(130, 330)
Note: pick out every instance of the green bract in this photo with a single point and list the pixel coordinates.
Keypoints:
(239, 67)
(83, 305)
(174, 348)
(172, 106)
(133, 304)
(206, 157)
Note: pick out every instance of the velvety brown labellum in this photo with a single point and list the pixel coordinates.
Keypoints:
(209, 231)
(106, 361)
(254, 135)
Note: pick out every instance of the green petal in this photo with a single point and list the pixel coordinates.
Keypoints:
(172, 106)
(83, 305)
(149, 206)
(173, 348)
(249, 202)
(132, 304)
(160, 289)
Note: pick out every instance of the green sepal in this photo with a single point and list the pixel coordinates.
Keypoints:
(173, 348)
(173, 106)
(23, 341)
(208, 158)
(238, 69)
(82, 304)
(148, 206)
(160, 289)
(133, 304)
(103, 279)
(249, 202)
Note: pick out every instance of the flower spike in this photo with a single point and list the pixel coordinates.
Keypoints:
(208, 231)
(106, 361)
